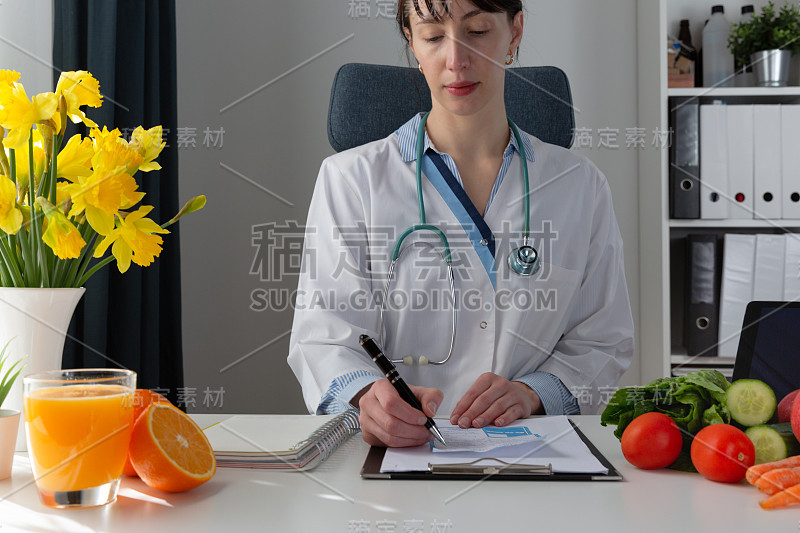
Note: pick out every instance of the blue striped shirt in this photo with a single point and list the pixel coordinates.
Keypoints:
(555, 396)
(407, 142)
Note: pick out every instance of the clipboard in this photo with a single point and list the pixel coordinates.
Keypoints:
(491, 469)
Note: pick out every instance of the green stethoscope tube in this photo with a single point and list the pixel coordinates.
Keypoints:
(423, 225)
(523, 260)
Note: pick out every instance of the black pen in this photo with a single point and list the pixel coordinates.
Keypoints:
(394, 378)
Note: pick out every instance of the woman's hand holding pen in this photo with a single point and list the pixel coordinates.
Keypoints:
(493, 399)
(388, 420)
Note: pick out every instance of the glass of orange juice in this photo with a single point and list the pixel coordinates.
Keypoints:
(78, 425)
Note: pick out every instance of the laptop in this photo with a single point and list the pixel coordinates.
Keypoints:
(769, 346)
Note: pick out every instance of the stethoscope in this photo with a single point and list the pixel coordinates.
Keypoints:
(523, 260)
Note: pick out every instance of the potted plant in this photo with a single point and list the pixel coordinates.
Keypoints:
(9, 418)
(767, 41)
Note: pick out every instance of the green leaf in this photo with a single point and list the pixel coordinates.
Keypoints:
(683, 463)
(713, 416)
(692, 401)
(766, 31)
(8, 379)
(711, 380)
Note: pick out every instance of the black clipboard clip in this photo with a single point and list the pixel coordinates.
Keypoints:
(488, 470)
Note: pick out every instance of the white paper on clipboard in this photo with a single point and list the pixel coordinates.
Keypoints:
(561, 447)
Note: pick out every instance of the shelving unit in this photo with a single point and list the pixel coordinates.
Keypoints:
(661, 264)
(778, 223)
(770, 93)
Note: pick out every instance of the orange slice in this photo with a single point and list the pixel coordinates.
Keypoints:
(141, 399)
(169, 451)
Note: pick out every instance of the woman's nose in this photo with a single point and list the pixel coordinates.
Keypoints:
(457, 53)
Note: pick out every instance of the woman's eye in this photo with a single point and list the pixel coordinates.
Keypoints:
(433, 39)
(479, 32)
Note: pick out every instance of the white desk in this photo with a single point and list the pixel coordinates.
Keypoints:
(334, 498)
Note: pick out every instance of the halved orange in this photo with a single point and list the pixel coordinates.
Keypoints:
(169, 451)
(141, 399)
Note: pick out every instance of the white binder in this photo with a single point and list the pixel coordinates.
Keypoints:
(740, 161)
(770, 261)
(767, 159)
(713, 162)
(790, 158)
(791, 273)
(737, 289)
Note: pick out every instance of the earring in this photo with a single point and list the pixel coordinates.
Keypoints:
(420, 68)
(510, 58)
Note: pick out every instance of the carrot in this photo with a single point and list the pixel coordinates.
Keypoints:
(779, 479)
(756, 471)
(782, 499)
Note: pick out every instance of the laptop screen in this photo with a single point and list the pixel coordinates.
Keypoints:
(769, 347)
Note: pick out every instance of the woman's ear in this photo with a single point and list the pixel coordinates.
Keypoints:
(407, 33)
(516, 30)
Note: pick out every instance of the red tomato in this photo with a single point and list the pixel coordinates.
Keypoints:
(651, 440)
(723, 453)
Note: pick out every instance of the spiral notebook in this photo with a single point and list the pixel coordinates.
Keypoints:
(288, 442)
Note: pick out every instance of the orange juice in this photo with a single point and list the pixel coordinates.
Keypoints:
(78, 436)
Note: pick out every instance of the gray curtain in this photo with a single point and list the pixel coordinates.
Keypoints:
(131, 320)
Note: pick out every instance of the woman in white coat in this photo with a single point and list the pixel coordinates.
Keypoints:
(525, 344)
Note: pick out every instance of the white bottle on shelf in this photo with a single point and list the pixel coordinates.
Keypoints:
(744, 75)
(717, 58)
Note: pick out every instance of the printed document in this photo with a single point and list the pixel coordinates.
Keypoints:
(552, 441)
(483, 439)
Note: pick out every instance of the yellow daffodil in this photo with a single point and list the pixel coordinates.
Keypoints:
(8, 77)
(195, 204)
(77, 88)
(23, 164)
(75, 159)
(148, 144)
(113, 152)
(10, 215)
(20, 113)
(83, 187)
(63, 198)
(59, 233)
(101, 196)
(7, 80)
(134, 239)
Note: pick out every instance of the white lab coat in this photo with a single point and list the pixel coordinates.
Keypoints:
(580, 330)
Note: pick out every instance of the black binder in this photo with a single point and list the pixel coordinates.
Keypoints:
(684, 168)
(703, 275)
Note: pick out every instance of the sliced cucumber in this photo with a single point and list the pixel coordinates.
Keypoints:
(751, 402)
(773, 442)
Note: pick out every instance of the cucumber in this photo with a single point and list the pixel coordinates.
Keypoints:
(773, 442)
(751, 402)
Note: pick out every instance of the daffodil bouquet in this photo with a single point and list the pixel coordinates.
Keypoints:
(61, 206)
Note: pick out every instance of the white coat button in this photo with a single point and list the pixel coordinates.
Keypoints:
(484, 242)
(484, 325)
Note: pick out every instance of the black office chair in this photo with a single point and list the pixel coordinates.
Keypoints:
(368, 102)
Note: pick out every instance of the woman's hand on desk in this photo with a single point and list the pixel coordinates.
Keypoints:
(493, 399)
(387, 420)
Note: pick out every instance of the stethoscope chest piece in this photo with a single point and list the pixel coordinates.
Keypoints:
(524, 261)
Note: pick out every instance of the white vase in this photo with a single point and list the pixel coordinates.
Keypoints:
(37, 321)
(9, 428)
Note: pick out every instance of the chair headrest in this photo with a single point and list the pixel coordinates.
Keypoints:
(368, 102)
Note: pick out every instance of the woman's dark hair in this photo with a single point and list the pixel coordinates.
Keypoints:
(510, 7)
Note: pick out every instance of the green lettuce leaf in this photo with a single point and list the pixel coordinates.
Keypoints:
(693, 401)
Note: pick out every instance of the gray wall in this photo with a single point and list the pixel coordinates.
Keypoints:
(26, 42)
(275, 139)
